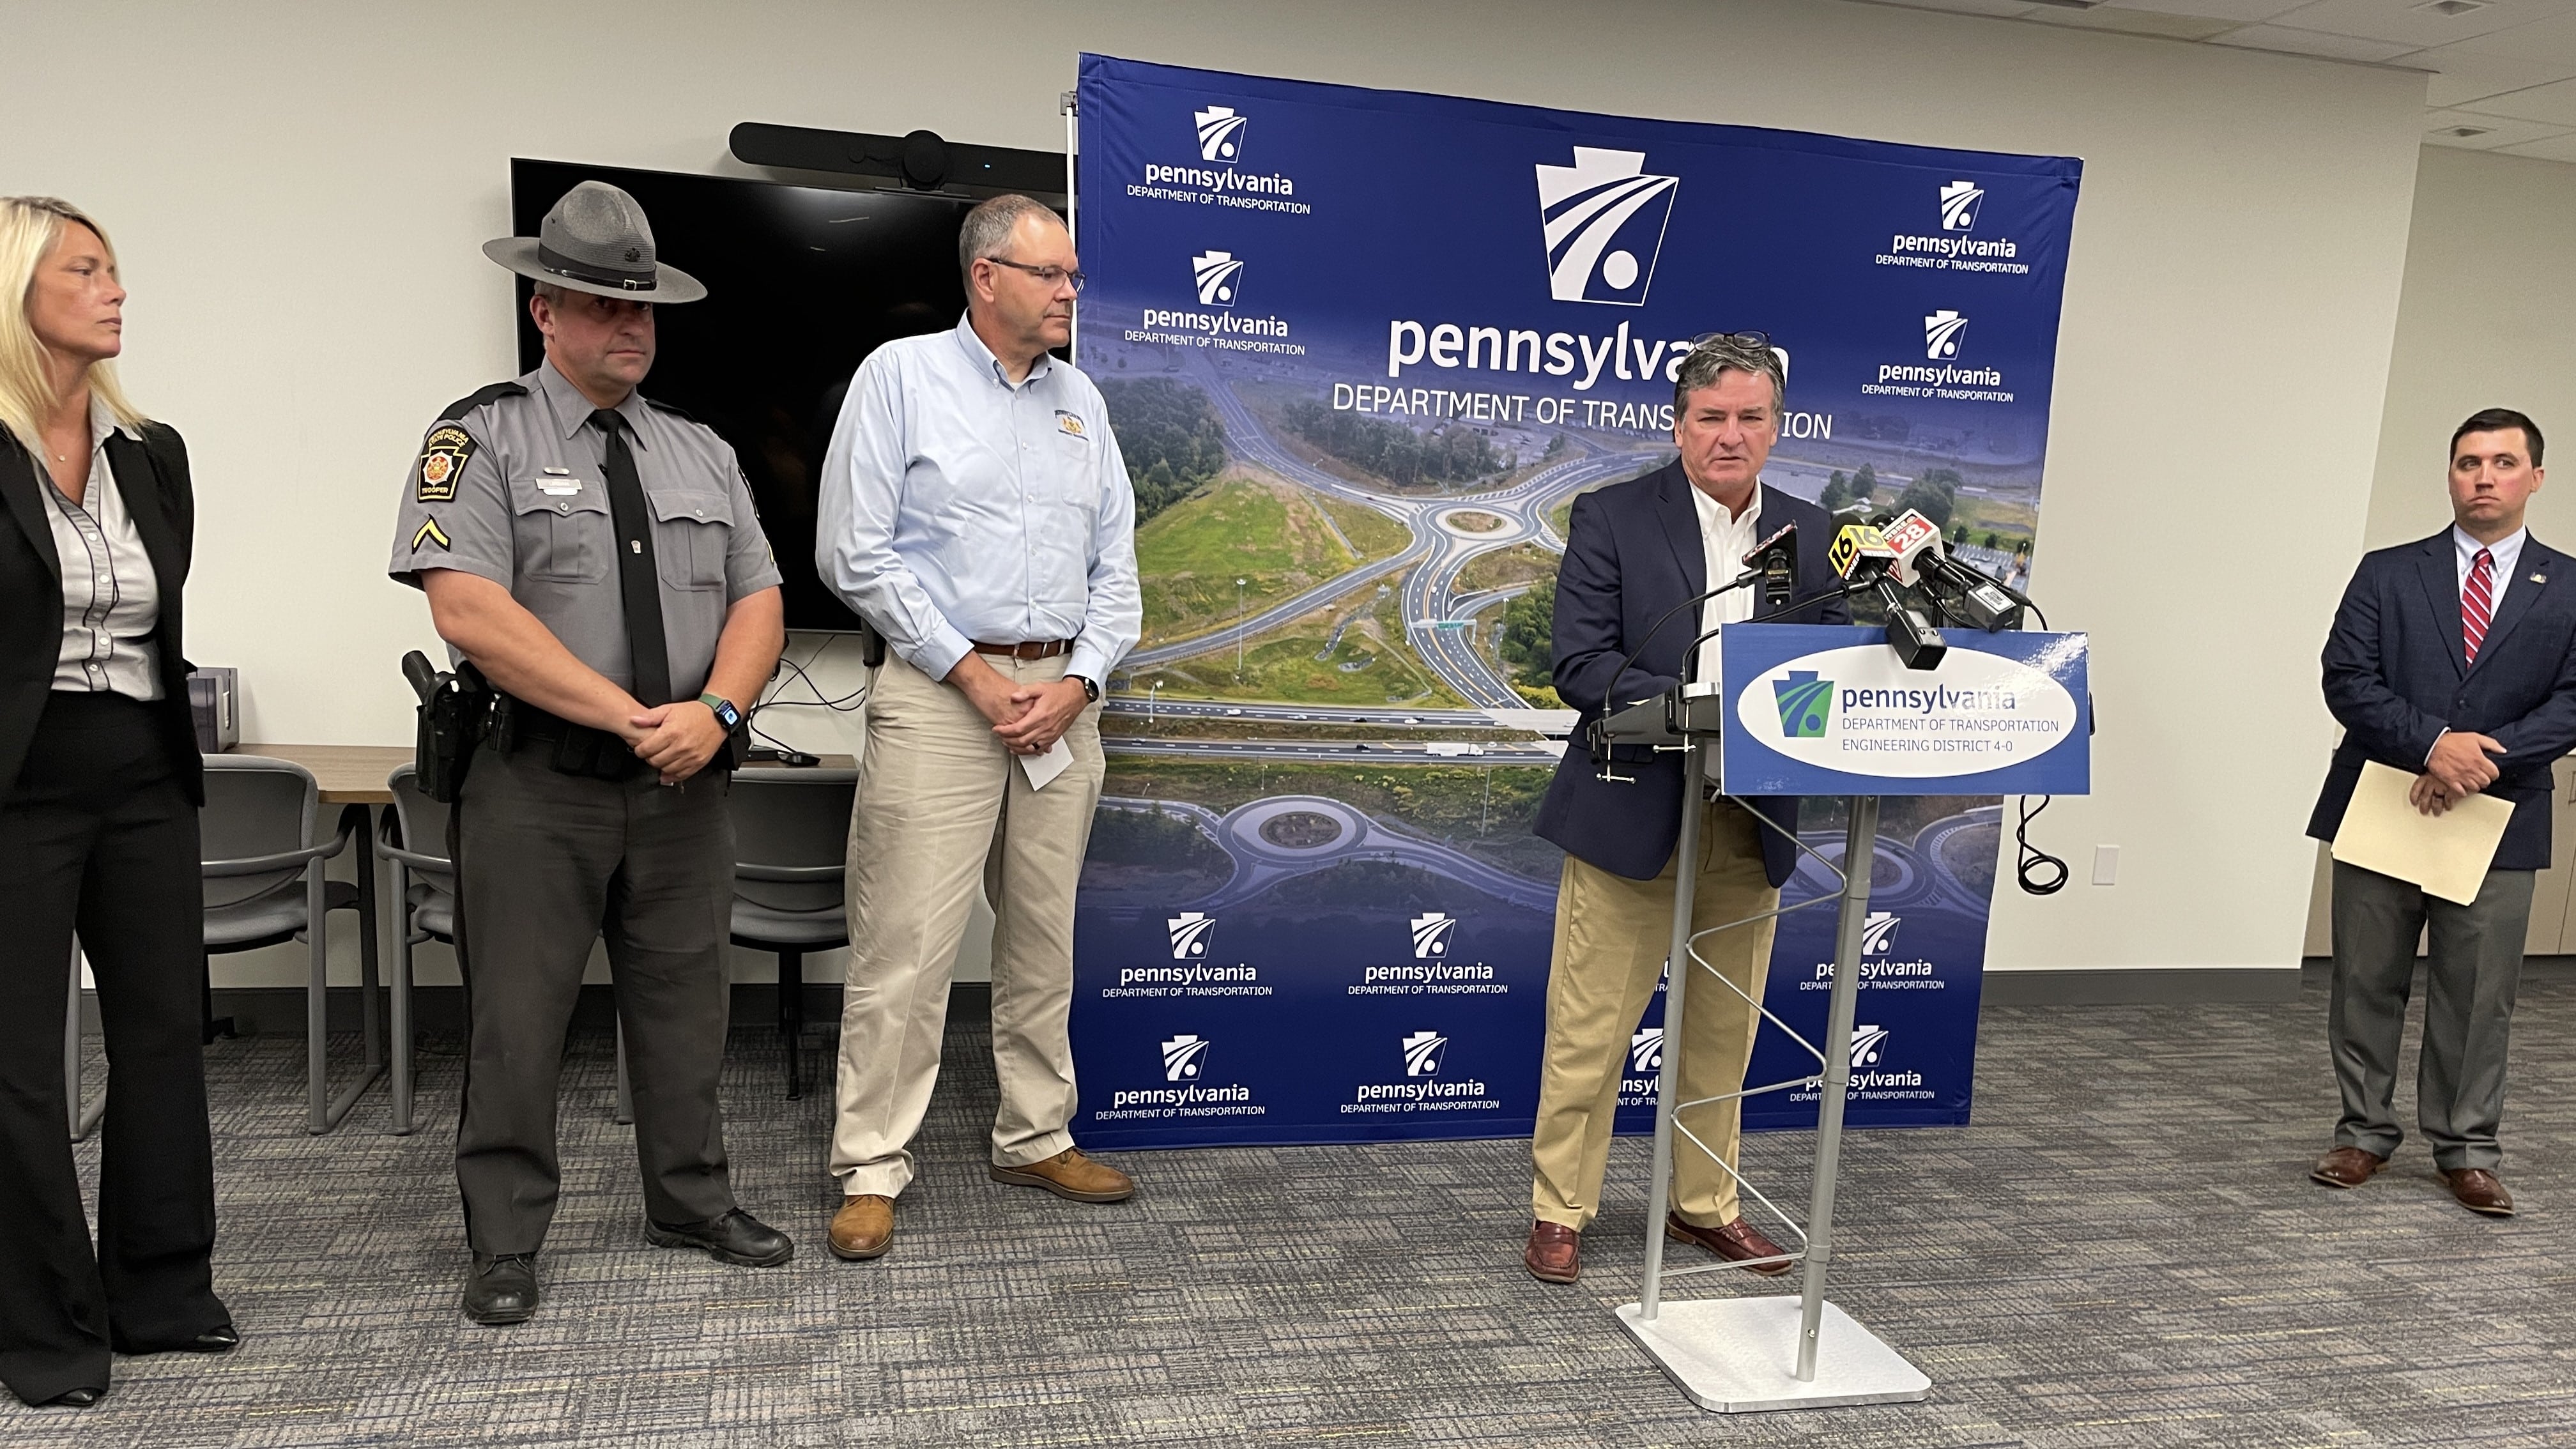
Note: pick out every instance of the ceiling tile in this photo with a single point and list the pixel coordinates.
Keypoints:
(2551, 39)
(2310, 42)
(2405, 22)
(2243, 12)
(2556, 148)
(2498, 130)
(2463, 75)
(2131, 22)
(2554, 103)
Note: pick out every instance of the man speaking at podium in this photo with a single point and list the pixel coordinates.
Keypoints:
(1636, 551)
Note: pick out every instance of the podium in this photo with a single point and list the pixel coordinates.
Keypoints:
(1824, 710)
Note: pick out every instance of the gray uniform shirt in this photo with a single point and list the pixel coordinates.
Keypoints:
(516, 491)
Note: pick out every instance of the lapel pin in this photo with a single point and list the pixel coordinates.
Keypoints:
(2540, 578)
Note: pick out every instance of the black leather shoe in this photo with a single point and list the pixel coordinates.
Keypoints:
(73, 1399)
(214, 1340)
(735, 1237)
(502, 1288)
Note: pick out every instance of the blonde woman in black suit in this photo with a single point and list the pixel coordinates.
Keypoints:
(100, 780)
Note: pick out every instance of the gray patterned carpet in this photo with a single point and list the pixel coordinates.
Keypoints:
(2123, 1251)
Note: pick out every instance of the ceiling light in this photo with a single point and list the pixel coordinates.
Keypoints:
(2462, 133)
(2450, 7)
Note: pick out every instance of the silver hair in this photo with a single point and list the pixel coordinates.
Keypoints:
(1735, 351)
(987, 229)
(552, 292)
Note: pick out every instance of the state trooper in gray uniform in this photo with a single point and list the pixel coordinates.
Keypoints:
(595, 555)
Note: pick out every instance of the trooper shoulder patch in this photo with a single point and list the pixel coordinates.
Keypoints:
(442, 457)
(428, 533)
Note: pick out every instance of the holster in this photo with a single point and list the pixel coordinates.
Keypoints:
(455, 714)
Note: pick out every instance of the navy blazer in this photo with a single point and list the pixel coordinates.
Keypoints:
(2397, 674)
(1633, 551)
(152, 479)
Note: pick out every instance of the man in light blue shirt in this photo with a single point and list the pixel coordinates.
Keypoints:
(975, 511)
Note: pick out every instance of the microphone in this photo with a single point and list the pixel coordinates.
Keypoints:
(1921, 561)
(1863, 557)
(1776, 560)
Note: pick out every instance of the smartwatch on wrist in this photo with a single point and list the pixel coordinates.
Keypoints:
(726, 714)
(1090, 688)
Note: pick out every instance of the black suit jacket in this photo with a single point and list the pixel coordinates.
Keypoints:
(1633, 551)
(2397, 674)
(152, 478)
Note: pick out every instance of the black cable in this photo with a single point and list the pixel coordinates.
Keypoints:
(2033, 862)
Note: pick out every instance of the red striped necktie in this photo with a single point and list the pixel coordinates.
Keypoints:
(2477, 603)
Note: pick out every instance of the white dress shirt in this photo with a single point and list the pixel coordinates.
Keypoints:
(2507, 551)
(957, 506)
(1724, 542)
(111, 601)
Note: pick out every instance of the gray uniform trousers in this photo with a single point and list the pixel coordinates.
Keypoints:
(2471, 972)
(548, 863)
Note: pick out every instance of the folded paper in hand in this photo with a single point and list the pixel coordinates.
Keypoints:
(2447, 854)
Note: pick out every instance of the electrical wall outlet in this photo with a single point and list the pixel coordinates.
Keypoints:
(2106, 865)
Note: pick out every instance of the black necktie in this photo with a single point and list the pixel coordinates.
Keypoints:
(636, 566)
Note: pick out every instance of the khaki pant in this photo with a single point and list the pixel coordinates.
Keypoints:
(1612, 935)
(940, 801)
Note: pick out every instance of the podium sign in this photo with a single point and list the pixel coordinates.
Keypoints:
(1820, 709)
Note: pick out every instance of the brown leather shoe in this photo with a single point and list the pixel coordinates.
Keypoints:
(863, 1228)
(2480, 1191)
(2346, 1167)
(1554, 1254)
(1736, 1243)
(1070, 1174)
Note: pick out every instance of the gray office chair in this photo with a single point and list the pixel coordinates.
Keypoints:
(791, 835)
(413, 841)
(84, 1120)
(264, 886)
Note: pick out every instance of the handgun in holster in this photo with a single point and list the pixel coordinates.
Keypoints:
(455, 715)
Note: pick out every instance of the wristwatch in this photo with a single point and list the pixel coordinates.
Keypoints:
(1090, 689)
(726, 714)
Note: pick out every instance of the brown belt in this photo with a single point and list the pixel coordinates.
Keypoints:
(1034, 649)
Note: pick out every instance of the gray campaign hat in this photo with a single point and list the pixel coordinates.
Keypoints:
(595, 239)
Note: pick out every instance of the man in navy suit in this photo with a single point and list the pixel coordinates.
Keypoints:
(2451, 658)
(1635, 553)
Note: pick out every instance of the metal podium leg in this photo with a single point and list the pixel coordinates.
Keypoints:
(1734, 1355)
(1668, 1087)
(1860, 850)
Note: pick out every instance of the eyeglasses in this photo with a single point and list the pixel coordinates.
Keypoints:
(1049, 275)
(1747, 339)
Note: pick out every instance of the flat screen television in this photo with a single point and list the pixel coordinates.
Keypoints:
(803, 282)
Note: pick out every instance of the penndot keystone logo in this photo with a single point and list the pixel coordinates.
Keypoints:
(1646, 1051)
(1422, 1052)
(1190, 931)
(1867, 1043)
(1218, 275)
(1431, 935)
(1220, 134)
(1183, 1056)
(1603, 220)
(1959, 202)
(1941, 333)
(1806, 704)
(1878, 932)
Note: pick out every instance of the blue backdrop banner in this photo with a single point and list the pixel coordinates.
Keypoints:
(1361, 350)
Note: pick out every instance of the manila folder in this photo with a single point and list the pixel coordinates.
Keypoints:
(2446, 854)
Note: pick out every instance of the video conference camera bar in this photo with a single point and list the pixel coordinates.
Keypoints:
(919, 161)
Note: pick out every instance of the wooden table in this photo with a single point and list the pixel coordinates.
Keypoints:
(349, 774)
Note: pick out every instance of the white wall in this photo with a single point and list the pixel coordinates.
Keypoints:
(2488, 320)
(299, 189)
